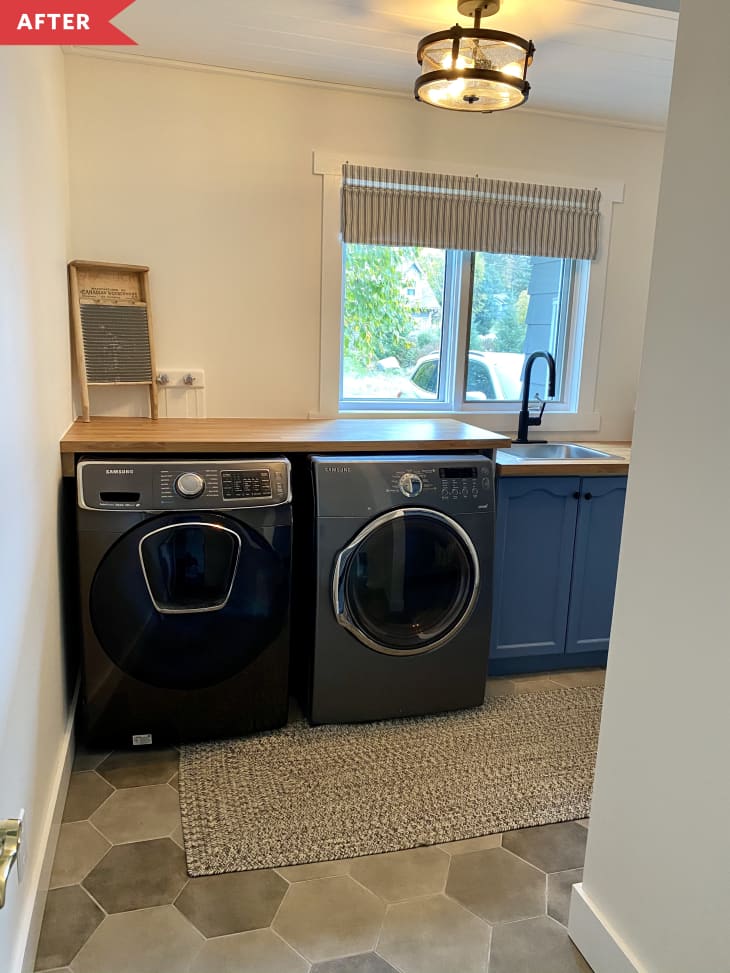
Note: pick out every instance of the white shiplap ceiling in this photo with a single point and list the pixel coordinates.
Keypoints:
(600, 58)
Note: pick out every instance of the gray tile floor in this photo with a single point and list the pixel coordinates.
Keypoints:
(121, 901)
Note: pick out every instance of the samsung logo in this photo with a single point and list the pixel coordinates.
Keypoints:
(338, 469)
(119, 471)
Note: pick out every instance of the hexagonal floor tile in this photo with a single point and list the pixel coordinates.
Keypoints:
(144, 941)
(86, 792)
(559, 886)
(580, 677)
(497, 886)
(138, 814)
(138, 876)
(551, 847)
(258, 951)
(69, 920)
(362, 963)
(329, 917)
(472, 844)
(139, 767)
(502, 686)
(534, 946)
(432, 935)
(303, 873)
(220, 905)
(403, 874)
(86, 759)
(79, 848)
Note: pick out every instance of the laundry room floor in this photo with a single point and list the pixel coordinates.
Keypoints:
(120, 899)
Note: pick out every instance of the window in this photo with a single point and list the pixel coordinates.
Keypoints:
(466, 223)
(425, 328)
(386, 329)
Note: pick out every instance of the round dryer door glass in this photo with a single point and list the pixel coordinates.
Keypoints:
(407, 583)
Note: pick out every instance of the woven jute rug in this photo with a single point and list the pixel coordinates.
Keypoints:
(306, 794)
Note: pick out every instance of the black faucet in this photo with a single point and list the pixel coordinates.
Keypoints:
(526, 420)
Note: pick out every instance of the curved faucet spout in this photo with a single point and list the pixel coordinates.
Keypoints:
(526, 420)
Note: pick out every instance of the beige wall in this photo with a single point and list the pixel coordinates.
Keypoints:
(35, 405)
(657, 869)
(207, 177)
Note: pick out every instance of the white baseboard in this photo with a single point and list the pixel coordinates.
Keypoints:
(602, 947)
(32, 917)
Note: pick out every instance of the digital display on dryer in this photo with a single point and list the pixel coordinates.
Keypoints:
(458, 472)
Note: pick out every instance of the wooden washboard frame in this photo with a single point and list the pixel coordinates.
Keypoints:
(112, 328)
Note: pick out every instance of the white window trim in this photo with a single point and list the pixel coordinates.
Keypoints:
(588, 325)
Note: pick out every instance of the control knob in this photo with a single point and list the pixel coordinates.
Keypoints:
(189, 485)
(410, 484)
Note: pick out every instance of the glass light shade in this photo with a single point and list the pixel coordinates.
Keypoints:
(473, 70)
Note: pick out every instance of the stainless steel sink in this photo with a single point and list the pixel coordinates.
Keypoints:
(553, 451)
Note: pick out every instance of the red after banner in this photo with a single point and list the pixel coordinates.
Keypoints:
(66, 22)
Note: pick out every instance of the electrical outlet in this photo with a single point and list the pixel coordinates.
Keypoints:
(181, 393)
(184, 378)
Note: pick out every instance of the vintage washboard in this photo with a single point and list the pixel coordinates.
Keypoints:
(110, 309)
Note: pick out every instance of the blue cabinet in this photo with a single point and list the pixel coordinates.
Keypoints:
(556, 557)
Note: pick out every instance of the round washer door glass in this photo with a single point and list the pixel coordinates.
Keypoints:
(408, 582)
(187, 605)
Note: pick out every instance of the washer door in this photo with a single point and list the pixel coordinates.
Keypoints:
(186, 603)
(407, 583)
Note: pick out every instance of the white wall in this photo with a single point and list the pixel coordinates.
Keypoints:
(658, 860)
(207, 177)
(35, 405)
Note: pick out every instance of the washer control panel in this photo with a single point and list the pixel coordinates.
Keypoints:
(238, 484)
(179, 484)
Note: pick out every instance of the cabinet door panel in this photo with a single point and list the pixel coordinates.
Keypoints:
(597, 541)
(536, 519)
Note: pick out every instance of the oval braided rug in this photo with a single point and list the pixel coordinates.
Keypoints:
(305, 794)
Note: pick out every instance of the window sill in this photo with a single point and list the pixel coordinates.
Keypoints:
(502, 422)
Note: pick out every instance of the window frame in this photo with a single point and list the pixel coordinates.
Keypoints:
(575, 412)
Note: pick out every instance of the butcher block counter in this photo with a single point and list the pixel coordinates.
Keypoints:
(115, 435)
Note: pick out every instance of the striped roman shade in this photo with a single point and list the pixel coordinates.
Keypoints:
(397, 207)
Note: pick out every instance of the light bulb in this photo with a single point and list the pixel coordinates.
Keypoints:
(447, 62)
(513, 69)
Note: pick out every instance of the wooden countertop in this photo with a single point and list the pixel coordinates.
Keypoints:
(512, 465)
(107, 434)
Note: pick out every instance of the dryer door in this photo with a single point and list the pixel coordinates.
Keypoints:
(407, 583)
(183, 603)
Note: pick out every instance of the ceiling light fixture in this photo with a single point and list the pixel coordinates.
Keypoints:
(471, 68)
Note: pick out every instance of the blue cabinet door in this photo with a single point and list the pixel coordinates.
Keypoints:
(595, 562)
(536, 519)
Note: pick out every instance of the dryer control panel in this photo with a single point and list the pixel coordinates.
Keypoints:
(354, 485)
(180, 484)
(462, 481)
